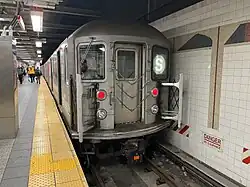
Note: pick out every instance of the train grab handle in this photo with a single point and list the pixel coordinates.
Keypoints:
(79, 107)
(174, 115)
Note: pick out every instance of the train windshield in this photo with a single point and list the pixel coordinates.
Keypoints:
(160, 60)
(93, 61)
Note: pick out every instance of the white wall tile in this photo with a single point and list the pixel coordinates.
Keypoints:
(234, 119)
(234, 112)
(207, 15)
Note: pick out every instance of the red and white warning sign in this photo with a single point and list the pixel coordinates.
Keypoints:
(246, 156)
(212, 141)
(184, 130)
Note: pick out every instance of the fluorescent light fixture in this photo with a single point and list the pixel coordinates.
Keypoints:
(39, 56)
(5, 19)
(39, 44)
(39, 52)
(37, 20)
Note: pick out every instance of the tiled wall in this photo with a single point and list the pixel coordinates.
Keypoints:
(235, 107)
(234, 97)
(195, 66)
(204, 15)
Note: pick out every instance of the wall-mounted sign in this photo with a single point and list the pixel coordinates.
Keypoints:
(212, 141)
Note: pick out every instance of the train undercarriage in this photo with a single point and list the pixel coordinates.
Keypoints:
(130, 150)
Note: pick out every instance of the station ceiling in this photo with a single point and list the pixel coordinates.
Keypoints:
(62, 17)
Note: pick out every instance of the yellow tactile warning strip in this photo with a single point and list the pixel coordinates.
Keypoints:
(53, 161)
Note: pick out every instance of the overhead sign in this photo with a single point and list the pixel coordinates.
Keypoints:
(212, 141)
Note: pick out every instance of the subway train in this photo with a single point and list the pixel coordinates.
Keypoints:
(111, 82)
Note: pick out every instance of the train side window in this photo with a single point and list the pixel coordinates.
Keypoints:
(55, 68)
(93, 60)
(66, 77)
(160, 63)
(125, 64)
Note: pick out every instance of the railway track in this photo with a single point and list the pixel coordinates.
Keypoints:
(157, 170)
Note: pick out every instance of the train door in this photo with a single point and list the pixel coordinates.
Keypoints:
(127, 83)
(59, 77)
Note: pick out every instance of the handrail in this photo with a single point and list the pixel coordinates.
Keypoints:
(178, 116)
(79, 107)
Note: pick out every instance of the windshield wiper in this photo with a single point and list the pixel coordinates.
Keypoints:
(84, 65)
(88, 48)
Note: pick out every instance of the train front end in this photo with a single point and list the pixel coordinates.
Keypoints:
(119, 90)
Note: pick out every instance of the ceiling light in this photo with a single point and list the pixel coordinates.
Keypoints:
(39, 44)
(37, 20)
(5, 19)
(39, 56)
(39, 52)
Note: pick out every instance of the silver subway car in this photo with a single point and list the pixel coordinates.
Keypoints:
(107, 80)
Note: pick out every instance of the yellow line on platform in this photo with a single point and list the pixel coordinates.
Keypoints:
(53, 161)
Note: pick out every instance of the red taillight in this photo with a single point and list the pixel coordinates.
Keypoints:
(101, 95)
(155, 92)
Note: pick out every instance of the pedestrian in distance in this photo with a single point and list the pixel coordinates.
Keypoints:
(38, 74)
(20, 73)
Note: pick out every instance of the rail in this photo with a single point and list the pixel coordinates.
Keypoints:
(207, 177)
(164, 176)
(98, 178)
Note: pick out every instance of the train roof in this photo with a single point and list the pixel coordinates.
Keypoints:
(100, 27)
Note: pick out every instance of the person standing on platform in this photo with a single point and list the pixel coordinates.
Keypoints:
(20, 73)
(28, 70)
(31, 72)
(38, 74)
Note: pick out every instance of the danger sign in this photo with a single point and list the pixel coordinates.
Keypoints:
(212, 141)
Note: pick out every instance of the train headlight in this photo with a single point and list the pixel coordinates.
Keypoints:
(154, 109)
(101, 114)
(159, 64)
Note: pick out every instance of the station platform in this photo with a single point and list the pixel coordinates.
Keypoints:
(42, 154)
